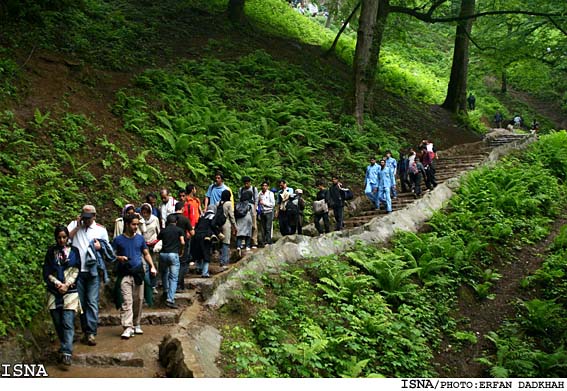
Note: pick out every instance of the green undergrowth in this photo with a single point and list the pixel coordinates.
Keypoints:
(48, 171)
(253, 116)
(36, 193)
(384, 311)
(532, 344)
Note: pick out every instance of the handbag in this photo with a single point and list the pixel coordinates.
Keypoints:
(320, 207)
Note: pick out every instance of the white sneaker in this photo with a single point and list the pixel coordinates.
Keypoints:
(247, 248)
(128, 332)
(138, 330)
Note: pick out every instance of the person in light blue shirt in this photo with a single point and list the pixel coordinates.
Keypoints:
(385, 181)
(371, 181)
(214, 192)
(392, 164)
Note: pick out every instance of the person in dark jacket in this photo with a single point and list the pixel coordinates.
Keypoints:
(173, 242)
(205, 233)
(337, 202)
(60, 272)
(322, 194)
(185, 224)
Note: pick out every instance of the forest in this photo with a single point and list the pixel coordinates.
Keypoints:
(105, 101)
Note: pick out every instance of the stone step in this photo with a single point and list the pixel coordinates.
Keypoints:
(150, 316)
(111, 352)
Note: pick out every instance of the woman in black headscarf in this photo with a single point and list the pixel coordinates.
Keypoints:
(60, 271)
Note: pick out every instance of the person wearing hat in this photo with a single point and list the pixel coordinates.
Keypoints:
(283, 195)
(299, 217)
(82, 231)
(254, 202)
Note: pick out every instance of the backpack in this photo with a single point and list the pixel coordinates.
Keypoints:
(320, 207)
(292, 206)
(241, 209)
(347, 194)
(220, 218)
(413, 169)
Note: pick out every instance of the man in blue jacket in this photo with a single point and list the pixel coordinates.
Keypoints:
(371, 182)
(385, 183)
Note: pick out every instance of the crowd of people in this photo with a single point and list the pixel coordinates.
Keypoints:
(168, 237)
(165, 238)
(413, 166)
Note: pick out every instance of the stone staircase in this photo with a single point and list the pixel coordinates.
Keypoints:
(448, 165)
(175, 342)
(137, 357)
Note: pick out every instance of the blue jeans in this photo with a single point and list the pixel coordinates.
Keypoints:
(169, 269)
(243, 241)
(225, 260)
(384, 194)
(88, 288)
(63, 320)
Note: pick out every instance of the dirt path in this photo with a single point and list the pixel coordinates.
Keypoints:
(488, 315)
(551, 110)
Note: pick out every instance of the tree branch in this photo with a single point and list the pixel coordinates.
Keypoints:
(557, 25)
(426, 17)
(332, 48)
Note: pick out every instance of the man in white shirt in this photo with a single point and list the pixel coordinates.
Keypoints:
(167, 206)
(82, 231)
(266, 202)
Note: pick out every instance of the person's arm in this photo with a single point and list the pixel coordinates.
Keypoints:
(148, 259)
(74, 227)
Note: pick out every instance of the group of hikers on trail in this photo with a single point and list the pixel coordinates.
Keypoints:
(181, 235)
(173, 235)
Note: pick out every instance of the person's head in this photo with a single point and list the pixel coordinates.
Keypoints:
(219, 178)
(191, 190)
(299, 192)
(88, 214)
(320, 184)
(265, 186)
(247, 182)
(372, 160)
(171, 219)
(128, 210)
(225, 195)
(146, 211)
(282, 184)
(164, 195)
(179, 206)
(131, 223)
(388, 154)
(335, 179)
(151, 199)
(382, 163)
(61, 235)
(181, 194)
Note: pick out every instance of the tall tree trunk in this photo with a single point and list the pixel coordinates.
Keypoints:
(456, 98)
(362, 81)
(236, 11)
(379, 28)
(504, 85)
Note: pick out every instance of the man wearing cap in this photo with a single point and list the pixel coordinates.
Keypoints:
(254, 201)
(283, 196)
(82, 231)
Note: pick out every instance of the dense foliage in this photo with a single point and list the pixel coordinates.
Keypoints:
(254, 116)
(384, 311)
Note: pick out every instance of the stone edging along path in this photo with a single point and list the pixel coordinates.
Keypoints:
(191, 349)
